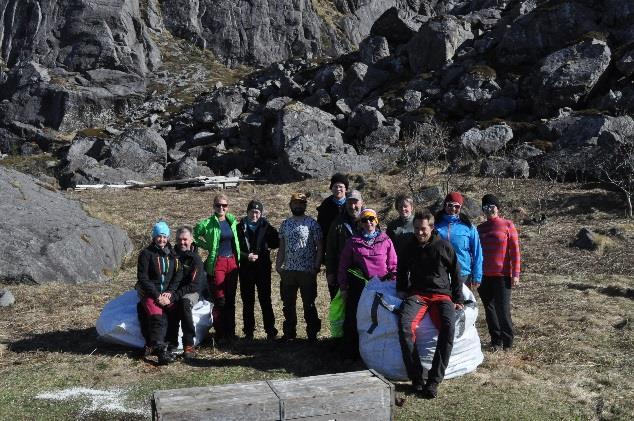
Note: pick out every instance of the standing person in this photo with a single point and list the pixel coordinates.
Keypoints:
(298, 262)
(501, 250)
(456, 227)
(158, 277)
(428, 279)
(372, 252)
(257, 237)
(344, 227)
(187, 294)
(333, 205)
(218, 235)
(404, 224)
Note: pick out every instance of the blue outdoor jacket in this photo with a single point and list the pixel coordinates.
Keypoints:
(466, 242)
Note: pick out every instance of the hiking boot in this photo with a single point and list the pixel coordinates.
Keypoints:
(417, 387)
(189, 352)
(430, 391)
(165, 357)
(147, 351)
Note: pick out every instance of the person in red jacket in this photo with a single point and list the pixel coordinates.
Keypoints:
(501, 251)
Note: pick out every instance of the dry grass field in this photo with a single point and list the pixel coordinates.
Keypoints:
(573, 314)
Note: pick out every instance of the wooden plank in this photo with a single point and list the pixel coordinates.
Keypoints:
(371, 414)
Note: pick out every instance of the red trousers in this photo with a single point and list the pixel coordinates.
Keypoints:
(223, 285)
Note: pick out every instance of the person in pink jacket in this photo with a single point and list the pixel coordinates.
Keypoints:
(368, 254)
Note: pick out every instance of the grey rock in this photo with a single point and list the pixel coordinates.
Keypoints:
(344, 106)
(47, 237)
(626, 63)
(360, 16)
(397, 25)
(568, 75)
(504, 167)
(252, 128)
(365, 119)
(222, 104)
(274, 106)
(186, 167)
(476, 142)
(319, 99)
(143, 151)
(436, 42)
(572, 131)
(526, 151)
(374, 49)
(10, 143)
(309, 145)
(327, 75)
(587, 239)
(380, 139)
(411, 100)
(6, 298)
(429, 195)
(362, 79)
(377, 103)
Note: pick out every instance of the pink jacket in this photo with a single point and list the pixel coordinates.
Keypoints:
(377, 259)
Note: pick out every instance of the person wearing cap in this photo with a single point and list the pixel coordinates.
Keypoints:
(501, 250)
(257, 237)
(218, 234)
(456, 227)
(428, 279)
(298, 261)
(333, 205)
(158, 277)
(398, 228)
(344, 227)
(365, 255)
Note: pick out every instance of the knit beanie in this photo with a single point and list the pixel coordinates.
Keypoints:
(454, 197)
(489, 199)
(339, 178)
(160, 228)
(255, 204)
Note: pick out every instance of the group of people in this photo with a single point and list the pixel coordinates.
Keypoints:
(429, 257)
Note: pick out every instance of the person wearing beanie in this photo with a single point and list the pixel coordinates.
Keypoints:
(501, 251)
(456, 227)
(158, 277)
(404, 224)
(333, 205)
(218, 234)
(257, 237)
(367, 254)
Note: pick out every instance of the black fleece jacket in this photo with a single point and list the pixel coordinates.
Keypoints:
(155, 263)
(431, 267)
(259, 242)
(194, 276)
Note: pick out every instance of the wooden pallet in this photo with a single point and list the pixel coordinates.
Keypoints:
(202, 182)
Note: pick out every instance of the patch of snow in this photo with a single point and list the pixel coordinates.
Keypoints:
(100, 400)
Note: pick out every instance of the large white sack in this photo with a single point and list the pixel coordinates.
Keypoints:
(379, 344)
(119, 323)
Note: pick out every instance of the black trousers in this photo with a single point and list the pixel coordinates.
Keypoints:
(252, 277)
(495, 293)
(181, 315)
(306, 283)
(413, 311)
(350, 334)
(332, 290)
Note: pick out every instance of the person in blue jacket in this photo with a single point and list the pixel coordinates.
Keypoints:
(455, 227)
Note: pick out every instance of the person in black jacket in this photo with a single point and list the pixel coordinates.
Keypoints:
(332, 206)
(256, 237)
(158, 277)
(428, 278)
(187, 294)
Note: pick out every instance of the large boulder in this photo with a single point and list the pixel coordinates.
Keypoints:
(222, 104)
(477, 142)
(436, 42)
(568, 75)
(140, 150)
(309, 145)
(397, 25)
(47, 237)
(504, 167)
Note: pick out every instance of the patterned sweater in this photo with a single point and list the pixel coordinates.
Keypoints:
(500, 247)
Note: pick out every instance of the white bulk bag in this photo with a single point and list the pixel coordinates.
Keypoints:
(377, 324)
(119, 323)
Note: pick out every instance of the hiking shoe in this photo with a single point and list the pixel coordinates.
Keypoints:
(165, 357)
(417, 387)
(189, 352)
(147, 351)
(430, 391)
(285, 338)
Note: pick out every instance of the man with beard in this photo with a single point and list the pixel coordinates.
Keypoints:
(187, 294)
(344, 227)
(298, 263)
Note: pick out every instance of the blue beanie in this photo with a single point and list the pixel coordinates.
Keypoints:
(160, 228)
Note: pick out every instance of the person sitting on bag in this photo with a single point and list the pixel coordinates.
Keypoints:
(428, 278)
(187, 294)
(372, 253)
(158, 276)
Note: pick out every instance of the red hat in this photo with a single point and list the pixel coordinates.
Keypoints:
(454, 197)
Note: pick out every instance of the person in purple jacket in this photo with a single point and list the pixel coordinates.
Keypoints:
(365, 255)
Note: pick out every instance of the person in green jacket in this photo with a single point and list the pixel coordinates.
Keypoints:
(218, 235)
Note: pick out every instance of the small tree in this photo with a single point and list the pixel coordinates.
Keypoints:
(423, 145)
(616, 166)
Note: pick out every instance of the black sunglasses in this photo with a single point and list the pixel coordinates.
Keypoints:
(221, 205)
(369, 219)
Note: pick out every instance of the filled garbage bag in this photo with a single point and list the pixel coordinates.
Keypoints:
(377, 324)
(336, 315)
(119, 323)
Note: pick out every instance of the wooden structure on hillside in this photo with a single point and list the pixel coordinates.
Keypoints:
(199, 183)
(359, 395)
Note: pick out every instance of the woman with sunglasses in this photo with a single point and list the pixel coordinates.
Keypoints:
(218, 235)
(501, 249)
(365, 255)
(456, 227)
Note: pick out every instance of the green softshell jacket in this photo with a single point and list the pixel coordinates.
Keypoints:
(207, 236)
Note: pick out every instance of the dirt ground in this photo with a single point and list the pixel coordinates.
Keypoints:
(572, 312)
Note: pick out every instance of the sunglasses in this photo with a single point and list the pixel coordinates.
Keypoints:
(453, 205)
(488, 207)
(221, 205)
(369, 219)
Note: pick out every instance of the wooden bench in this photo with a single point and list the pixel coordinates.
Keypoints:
(359, 395)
